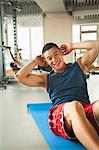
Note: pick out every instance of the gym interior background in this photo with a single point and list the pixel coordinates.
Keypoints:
(28, 25)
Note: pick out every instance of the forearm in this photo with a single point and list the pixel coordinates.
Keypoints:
(26, 70)
(91, 54)
(88, 45)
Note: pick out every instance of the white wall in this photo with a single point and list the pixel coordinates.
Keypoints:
(98, 39)
(58, 29)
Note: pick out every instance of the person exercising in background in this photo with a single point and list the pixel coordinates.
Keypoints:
(71, 116)
(18, 61)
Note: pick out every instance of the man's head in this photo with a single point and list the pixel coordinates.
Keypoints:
(49, 46)
(53, 56)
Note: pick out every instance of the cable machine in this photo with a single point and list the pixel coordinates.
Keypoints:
(7, 9)
(2, 71)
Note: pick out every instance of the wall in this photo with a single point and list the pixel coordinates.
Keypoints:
(98, 39)
(58, 29)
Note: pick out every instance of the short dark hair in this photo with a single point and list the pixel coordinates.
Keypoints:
(48, 46)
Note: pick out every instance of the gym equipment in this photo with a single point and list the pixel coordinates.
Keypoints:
(95, 71)
(43, 68)
(8, 11)
(3, 84)
(2, 69)
(39, 112)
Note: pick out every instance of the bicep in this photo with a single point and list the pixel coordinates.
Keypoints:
(87, 59)
(33, 80)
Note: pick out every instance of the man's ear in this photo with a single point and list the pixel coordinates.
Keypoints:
(60, 51)
(43, 57)
(44, 60)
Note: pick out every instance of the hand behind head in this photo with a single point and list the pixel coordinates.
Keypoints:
(65, 48)
(41, 61)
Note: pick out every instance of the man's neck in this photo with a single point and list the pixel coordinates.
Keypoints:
(64, 67)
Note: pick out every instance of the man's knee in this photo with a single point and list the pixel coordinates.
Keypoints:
(97, 102)
(96, 108)
(72, 107)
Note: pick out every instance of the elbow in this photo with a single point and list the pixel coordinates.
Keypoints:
(18, 77)
(91, 44)
(95, 44)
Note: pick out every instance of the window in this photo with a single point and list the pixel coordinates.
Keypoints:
(23, 41)
(83, 33)
(88, 32)
(36, 41)
(30, 39)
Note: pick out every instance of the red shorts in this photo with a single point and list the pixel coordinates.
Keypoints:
(56, 120)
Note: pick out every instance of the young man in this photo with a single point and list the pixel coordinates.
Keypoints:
(72, 116)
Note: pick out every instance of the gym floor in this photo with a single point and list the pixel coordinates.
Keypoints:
(17, 129)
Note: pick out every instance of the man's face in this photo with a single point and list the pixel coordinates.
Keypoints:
(54, 58)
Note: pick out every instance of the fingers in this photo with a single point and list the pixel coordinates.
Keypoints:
(44, 61)
(63, 49)
(41, 60)
(63, 52)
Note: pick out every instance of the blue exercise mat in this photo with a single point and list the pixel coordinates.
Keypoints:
(39, 112)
